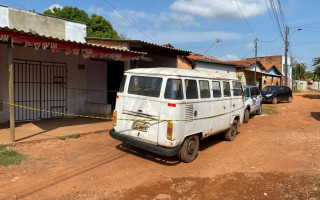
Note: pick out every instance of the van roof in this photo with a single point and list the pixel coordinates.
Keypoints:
(180, 72)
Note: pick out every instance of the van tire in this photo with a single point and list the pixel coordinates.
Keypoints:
(246, 116)
(232, 132)
(189, 149)
(274, 100)
(290, 100)
(259, 111)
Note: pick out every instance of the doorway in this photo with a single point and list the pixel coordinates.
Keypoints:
(115, 72)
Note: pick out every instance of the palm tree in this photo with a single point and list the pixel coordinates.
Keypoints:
(316, 62)
(299, 71)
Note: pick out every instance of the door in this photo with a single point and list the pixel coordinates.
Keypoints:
(237, 100)
(204, 108)
(218, 107)
(39, 85)
(192, 106)
(226, 104)
(142, 103)
(115, 72)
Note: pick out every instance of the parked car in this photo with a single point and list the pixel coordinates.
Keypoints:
(253, 102)
(167, 111)
(275, 94)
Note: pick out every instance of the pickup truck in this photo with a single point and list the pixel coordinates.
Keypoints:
(253, 102)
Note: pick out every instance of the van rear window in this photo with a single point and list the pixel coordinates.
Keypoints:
(145, 86)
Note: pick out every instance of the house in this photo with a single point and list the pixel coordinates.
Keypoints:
(275, 65)
(213, 64)
(52, 69)
(247, 71)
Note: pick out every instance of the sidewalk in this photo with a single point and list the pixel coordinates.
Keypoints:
(52, 128)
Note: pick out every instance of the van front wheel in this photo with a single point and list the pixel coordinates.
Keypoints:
(232, 132)
(189, 150)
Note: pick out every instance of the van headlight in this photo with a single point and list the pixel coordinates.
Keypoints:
(268, 95)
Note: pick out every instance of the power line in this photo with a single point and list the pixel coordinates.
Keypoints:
(126, 18)
(276, 17)
(244, 18)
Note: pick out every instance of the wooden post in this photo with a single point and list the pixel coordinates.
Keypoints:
(11, 92)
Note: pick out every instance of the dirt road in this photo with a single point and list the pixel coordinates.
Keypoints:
(273, 157)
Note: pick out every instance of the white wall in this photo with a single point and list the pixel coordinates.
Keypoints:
(4, 91)
(4, 17)
(76, 78)
(229, 70)
(75, 31)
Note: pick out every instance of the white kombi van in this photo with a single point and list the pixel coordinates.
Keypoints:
(167, 110)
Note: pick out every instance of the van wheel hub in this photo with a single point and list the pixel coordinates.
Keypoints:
(191, 147)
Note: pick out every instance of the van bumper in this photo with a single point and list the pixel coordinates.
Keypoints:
(146, 146)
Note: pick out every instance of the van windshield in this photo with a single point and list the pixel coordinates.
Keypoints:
(145, 86)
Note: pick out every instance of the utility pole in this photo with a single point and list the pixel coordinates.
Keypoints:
(286, 58)
(255, 61)
(11, 91)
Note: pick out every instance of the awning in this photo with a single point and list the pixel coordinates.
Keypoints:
(266, 74)
(74, 48)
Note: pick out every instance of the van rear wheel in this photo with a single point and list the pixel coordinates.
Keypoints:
(246, 116)
(232, 132)
(189, 150)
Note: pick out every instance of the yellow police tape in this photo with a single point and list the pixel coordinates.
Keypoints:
(106, 118)
(91, 90)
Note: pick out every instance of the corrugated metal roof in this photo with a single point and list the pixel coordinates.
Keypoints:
(62, 40)
(143, 42)
(180, 72)
(211, 60)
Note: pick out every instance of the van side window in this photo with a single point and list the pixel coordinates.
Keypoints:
(204, 89)
(124, 78)
(216, 89)
(237, 89)
(226, 89)
(174, 89)
(191, 89)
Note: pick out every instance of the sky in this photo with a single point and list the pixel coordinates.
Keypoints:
(225, 29)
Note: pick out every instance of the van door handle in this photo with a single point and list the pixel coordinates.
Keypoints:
(139, 110)
(234, 105)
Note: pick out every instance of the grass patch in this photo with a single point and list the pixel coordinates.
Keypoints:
(270, 110)
(2, 147)
(11, 157)
(62, 138)
(75, 136)
(296, 91)
(100, 131)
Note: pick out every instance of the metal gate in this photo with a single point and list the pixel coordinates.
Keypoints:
(39, 85)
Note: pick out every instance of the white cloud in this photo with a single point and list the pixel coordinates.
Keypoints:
(222, 9)
(55, 5)
(250, 46)
(96, 10)
(229, 57)
(179, 37)
(151, 20)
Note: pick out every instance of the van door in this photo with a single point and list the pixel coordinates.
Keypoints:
(238, 101)
(227, 103)
(204, 108)
(218, 108)
(191, 106)
(142, 104)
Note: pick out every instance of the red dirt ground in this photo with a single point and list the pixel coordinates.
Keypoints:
(273, 157)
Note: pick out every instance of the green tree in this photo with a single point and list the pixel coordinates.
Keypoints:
(316, 63)
(298, 71)
(97, 26)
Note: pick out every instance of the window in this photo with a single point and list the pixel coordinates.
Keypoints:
(174, 89)
(204, 89)
(237, 89)
(123, 82)
(216, 89)
(191, 89)
(145, 86)
(257, 91)
(226, 89)
(246, 92)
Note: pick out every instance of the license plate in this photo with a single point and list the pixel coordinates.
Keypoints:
(140, 126)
